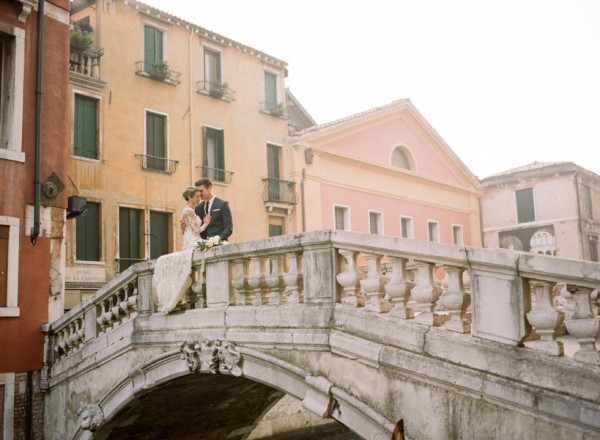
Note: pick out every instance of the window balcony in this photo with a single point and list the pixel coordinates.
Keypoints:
(87, 61)
(217, 90)
(279, 193)
(215, 174)
(159, 71)
(159, 164)
(276, 109)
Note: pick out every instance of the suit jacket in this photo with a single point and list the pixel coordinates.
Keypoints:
(221, 223)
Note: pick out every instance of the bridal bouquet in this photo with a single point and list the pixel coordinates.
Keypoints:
(211, 242)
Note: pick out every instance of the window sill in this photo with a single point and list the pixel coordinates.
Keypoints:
(84, 159)
(10, 312)
(17, 156)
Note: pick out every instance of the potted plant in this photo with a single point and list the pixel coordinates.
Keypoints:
(276, 109)
(81, 38)
(159, 70)
(217, 89)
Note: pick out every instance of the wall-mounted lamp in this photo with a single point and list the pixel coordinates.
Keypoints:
(309, 156)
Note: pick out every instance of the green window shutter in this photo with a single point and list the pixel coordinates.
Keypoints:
(159, 234)
(275, 230)
(270, 90)
(153, 46)
(525, 207)
(85, 127)
(155, 141)
(87, 234)
(220, 153)
(214, 153)
(129, 237)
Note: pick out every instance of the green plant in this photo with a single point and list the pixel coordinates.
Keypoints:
(159, 70)
(81, 38)
(276, 109)
(217, 89)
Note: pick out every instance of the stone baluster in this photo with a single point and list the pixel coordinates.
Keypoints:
(273, 281)
(293, 280)
(349, 279)
(95, 68)
(425, 293)
(197, 288)
(104, 317)
(545, 319)
(256, 280)
(584, 326)
(454, 301)
(129, 305)
(240, 282)
(397, 290)
(373, 285)
(116, 309)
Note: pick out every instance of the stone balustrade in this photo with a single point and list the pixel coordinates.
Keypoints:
(500, 295)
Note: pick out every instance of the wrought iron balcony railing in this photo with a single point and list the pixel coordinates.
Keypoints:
(159, 71)
(279, 191)
(216, 174)
(216, 90)
(87, 61)
(155, 163)
(276, 109)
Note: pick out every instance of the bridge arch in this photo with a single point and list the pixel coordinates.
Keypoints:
(262, 375)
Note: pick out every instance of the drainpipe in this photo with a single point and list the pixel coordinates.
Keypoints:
(579, 221)
(37, 185)
(191, 97)
(302, 199)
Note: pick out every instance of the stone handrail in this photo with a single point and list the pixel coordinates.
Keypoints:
(493, 294)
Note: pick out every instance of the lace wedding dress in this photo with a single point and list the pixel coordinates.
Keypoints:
(193, 228)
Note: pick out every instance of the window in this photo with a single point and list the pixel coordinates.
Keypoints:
(9, 266)
(212, 68)
(153, 47)
(593, 245)
(341, 218)
(375, 223)
(525, 209)
(457, 234)
(271, 102)
(85, 129)
(273, 167)
(214, 154)
(400, 159)
(156, 141)
(588, 202)
(159, 233)
(406, 227)
(12, 69)
(433, 229)
(130, 243)
(87, 233)
(276, 226)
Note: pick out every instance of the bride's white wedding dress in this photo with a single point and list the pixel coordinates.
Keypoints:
(193, 228)
(172, 272)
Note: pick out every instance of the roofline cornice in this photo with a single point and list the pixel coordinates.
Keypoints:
(214, 37)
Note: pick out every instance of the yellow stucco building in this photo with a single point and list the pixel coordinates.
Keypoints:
(157, 103)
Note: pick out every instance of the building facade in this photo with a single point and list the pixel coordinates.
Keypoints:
(150, 117)
(545, 208)
(33, 136)
(385, 171)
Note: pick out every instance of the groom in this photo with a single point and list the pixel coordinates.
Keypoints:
(221, 223)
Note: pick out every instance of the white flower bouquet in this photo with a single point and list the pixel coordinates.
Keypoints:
(211, 242)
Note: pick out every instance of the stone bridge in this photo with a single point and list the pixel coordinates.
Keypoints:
(366, 330)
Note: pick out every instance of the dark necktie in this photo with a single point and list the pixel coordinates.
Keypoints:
(206, 207)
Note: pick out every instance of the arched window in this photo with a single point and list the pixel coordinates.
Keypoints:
(400, 158)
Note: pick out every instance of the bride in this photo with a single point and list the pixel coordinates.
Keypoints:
(192, 224)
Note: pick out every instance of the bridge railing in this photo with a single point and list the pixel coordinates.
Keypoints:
(505, 296)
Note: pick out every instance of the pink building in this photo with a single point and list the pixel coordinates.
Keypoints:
(544, 208)
(385, 171)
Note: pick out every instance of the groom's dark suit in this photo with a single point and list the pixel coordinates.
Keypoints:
(221, 223)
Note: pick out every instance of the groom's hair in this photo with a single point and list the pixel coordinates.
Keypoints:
(205, 182)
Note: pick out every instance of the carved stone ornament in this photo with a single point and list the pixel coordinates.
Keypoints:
(91, 417)
(212, 356)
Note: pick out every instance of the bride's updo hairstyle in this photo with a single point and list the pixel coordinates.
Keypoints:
(189, 192)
